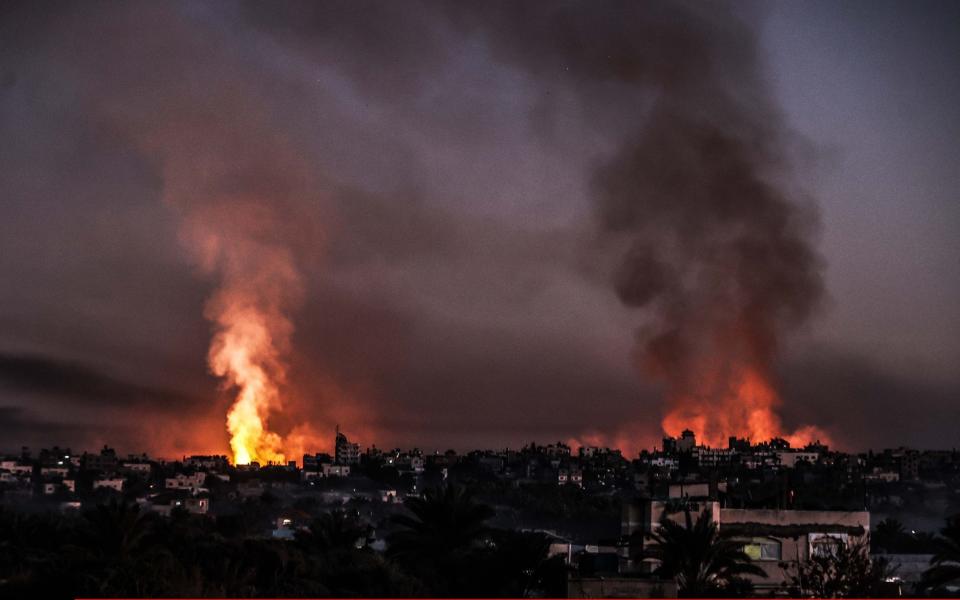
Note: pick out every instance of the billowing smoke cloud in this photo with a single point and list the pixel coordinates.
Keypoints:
(260, 285)
(717, 250)
(240, 191)
(715, 245)
(428, 222)
(250, 207)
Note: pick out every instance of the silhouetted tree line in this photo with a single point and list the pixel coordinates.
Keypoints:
(442, 547)
(891, 537)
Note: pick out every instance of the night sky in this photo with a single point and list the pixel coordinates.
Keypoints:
(434, 176)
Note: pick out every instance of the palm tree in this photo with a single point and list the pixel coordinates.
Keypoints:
(332, 531)
(117, 529)
(518, 563)
(30, 555)
(439, 538)
(445, 521)
(700, 558)
(888, 535)
(118, 555)
(945, 563)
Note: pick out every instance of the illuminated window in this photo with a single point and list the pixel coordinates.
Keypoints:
(762, 549)
(825, 546)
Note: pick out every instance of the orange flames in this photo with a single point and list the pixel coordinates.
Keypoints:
(241, 353)
(736, 401)
(259, 286)
(629, 440)
(251, 211)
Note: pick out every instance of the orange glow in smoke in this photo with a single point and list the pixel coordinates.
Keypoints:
(740, 403)
(259, 285)
(240, 353)
(629, 440)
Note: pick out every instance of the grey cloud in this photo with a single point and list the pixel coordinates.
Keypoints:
(81, 383)
(416, 157)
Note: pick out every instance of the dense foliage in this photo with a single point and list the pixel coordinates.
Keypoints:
(848, 572)
(891, 537)
(116, 550)
(944, 573)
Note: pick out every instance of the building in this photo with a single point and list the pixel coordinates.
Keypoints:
(112, 483)
(669, 445)
(141, 469)
(687, 441)
(878, 475)
(408, 462)
(55, 457)
(713, 457)
(18, 468)
(312, 462)
(576, 478)
(335, 470)
(213, 462)
(182, 481)
(166, 502)
(595, 451)
(345, 451)
(790, 458)
(908, 462)
(777, 540)
(197, 505)
(557, 450)
(490, 462)
(620, 587)
(665, 462)
(570, 476)
(325, 470)
(699, 489)
(105, 461)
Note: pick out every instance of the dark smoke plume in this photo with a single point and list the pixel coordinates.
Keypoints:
(714, 244)
(321, 158)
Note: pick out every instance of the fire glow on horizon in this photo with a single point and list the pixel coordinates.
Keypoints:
(745, 409)
(259, 286)
(716, 242)
(239, 353)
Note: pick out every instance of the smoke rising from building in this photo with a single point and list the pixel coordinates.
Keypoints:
(717, 250)
(470, 224)
(717, 247)
(238, 196)
(259, 286)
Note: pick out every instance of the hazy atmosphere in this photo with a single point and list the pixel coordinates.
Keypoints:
(444, 227)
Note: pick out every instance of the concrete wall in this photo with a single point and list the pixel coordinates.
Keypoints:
(796, 548)
(795, 517)
(620, 587)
